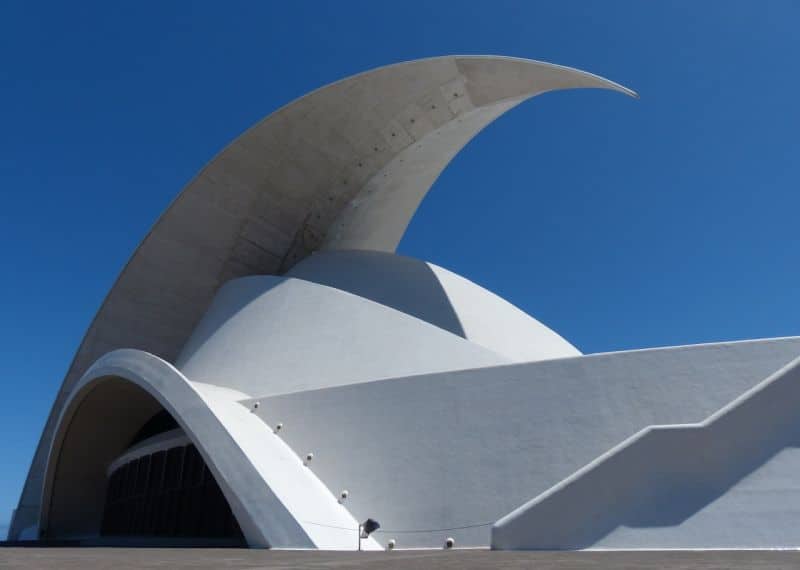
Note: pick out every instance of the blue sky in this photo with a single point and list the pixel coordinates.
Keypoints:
(620, 223)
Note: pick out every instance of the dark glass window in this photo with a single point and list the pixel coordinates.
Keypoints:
(169, 494)
(174, 468)
(159, 423)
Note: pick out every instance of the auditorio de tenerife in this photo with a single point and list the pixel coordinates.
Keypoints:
(267, 371)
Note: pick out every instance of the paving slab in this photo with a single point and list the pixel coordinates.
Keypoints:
(199, 558)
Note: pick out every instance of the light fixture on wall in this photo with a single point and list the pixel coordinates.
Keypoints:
(367, 528)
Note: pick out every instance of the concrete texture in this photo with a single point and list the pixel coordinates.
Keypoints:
(448, 454)
(344, 167)
(126, 558)
(726, 482)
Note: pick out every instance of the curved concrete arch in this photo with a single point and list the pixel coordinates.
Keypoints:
(119, 392)
(343, 167)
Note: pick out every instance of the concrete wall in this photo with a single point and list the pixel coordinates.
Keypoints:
(103, 422)
(456, 449)
(727, 482)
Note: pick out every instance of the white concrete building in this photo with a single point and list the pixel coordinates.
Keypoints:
(267, 370)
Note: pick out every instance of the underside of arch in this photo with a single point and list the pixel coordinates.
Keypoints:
(107, 486)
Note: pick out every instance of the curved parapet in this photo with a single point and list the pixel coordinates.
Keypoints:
(343, 167)
(271, 493)
(677, 486)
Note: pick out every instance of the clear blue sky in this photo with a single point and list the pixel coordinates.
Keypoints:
(620, 223)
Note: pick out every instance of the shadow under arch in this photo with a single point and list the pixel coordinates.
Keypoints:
(110, 403)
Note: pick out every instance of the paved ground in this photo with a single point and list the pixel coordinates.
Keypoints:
(196, 558)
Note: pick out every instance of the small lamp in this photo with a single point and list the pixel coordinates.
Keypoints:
(367, 528)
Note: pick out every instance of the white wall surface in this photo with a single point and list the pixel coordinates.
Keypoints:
(727, 482)
(455, 449)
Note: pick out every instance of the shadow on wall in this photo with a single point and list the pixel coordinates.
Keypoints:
(402, 283)
(104, 421)
(664, 475)
(677, 495)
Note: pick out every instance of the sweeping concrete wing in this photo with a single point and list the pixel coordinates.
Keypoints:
(342, 168)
